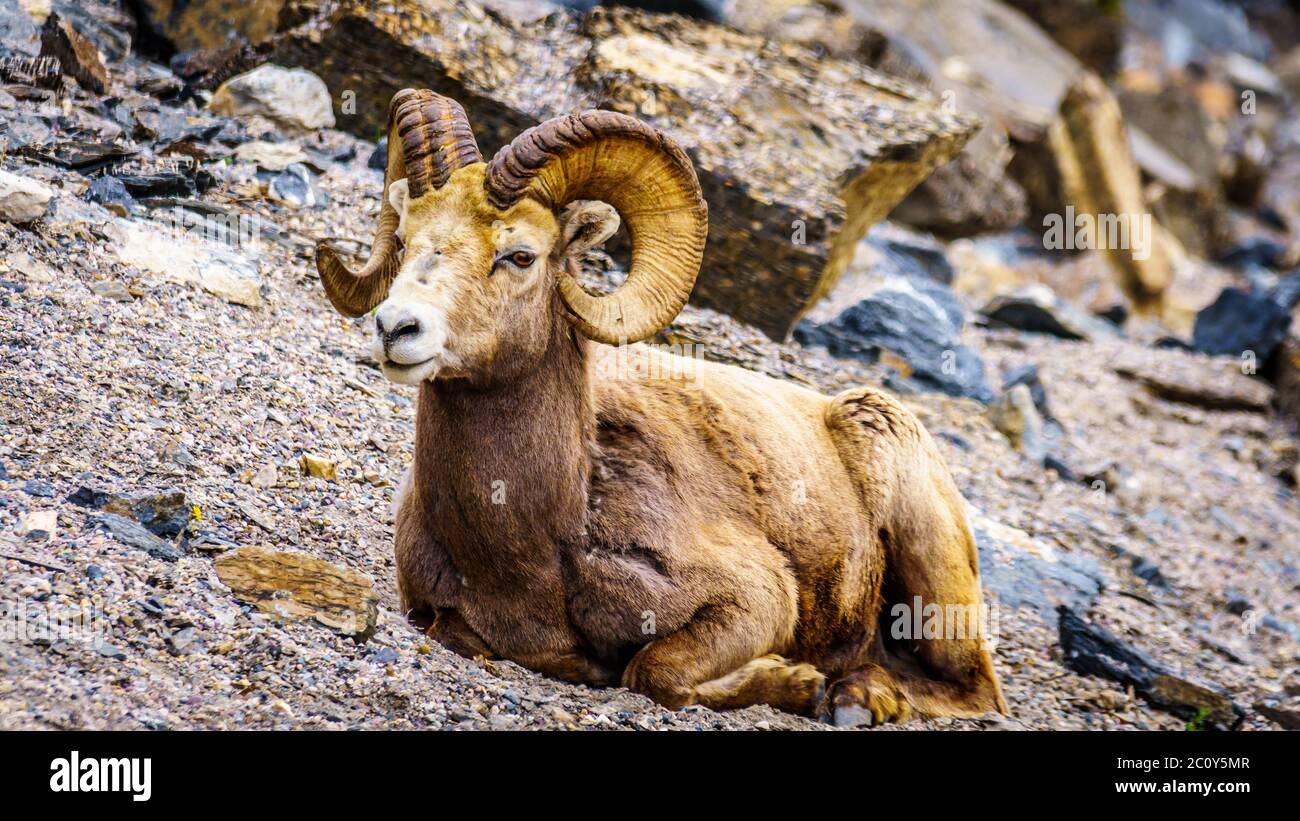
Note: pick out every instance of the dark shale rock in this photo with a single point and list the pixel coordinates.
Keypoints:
(894, 251)
(165, 513)
(797, 159)
(1037, 310)
(1238, 322)
(131, 532)
(106, 23)
(1094, 651)
(38, 487)
(112, 194)
(1287, 719)
(379, 157)
(1254, 252)
(85, 156)
(914, 328)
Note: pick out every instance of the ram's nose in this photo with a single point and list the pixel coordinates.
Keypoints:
(397, 329)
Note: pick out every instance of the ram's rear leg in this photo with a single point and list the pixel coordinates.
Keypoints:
(930, 563)
(721, 659)
(771, 680)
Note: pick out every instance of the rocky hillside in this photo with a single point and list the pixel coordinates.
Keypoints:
(198, 458)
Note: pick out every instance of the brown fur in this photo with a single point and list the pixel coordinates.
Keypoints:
(723, 540)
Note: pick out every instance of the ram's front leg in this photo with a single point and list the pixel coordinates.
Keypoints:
(450, 629)
(720, 660)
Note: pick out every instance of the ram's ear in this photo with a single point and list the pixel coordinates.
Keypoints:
(584, 225)
(399, 194)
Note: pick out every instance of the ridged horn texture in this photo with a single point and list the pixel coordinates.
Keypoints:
(435, 137)
(648, 179)
(429, 138)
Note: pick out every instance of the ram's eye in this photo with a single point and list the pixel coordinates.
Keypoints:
(521, 259)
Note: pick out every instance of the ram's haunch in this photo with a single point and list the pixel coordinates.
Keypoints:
(723, 539)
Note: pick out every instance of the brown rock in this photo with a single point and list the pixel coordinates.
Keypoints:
(1206, 707)
(76, 54)
(1205, 383)
(797, 155)
(297, 587)
(1085, 28)
(1287, 719)
(1287, 376)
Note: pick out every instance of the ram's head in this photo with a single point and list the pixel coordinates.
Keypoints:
(471, 260)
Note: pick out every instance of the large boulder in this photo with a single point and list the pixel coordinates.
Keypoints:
(977, 55)
(797, 155)
(184, 25)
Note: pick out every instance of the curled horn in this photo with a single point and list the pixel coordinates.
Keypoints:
(648, 179)
(429, 138)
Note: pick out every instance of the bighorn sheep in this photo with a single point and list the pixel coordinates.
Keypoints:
(727, 540)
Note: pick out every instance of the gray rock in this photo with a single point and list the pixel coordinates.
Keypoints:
(1016, 417)
(111, 289)
(296, 186)
(379, 157)
(38, 487)
(295, 99)
(183, 641)
(914, 329)
(111, 193)
(17, 29)
(109, 651)
(1027, 375)
(898, 252)
(22, 200)
(1024, 579)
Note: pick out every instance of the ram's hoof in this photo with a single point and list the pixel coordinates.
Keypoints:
(850, 715)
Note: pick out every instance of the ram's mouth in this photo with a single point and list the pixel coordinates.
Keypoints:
(409, 374)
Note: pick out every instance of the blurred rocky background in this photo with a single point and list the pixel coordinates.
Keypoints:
(198, 458)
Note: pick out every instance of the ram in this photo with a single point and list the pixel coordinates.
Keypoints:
(722, 540)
